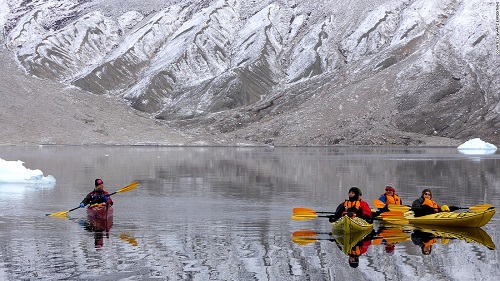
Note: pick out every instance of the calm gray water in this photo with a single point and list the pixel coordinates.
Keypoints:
(225, 213)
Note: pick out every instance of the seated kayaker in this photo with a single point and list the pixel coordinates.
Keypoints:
(98, 195)
(426, 206)
(354, 206)
(389, 197)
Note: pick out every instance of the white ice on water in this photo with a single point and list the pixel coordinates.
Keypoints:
(476, 146)
(15, 172)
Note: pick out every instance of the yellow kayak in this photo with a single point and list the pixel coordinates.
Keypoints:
(465, 219)
(348, 225)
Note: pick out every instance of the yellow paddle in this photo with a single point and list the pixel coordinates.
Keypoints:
(476, 208)
(124, 189)
(391, 217)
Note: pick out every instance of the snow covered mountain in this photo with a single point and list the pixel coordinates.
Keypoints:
(366, 72)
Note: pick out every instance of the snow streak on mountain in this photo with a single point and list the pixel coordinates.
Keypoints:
(434, 64)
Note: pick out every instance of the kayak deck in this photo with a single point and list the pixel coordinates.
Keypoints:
(464, 219)
(100, 211)
(348, 224)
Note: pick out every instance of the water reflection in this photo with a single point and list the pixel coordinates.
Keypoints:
(223, 214)
(355, 244)
(100, 227)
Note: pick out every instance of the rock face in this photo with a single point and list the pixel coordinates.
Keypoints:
(277, 72)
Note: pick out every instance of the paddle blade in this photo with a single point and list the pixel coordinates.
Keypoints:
(398, 208)
(392, 214)
(480, 208)
(58, 214)
(303, 241)
(379, 204)
(396, 220)
(304, 233)
(125, 237)
(128, 187)
(303, 210)
(303, 216)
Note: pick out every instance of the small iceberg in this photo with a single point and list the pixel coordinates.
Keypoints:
(15, 172)
(476, 146)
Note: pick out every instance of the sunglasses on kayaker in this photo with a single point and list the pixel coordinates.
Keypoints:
(427, 193)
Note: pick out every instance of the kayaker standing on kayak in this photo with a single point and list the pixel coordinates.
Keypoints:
(98, 195)
(389, 197)
(426, 206)
(353, 206)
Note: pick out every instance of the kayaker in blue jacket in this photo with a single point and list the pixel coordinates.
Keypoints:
(98, 195)
(389, 197)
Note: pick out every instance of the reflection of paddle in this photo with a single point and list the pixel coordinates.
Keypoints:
(403, 208)
(125, 237)
(391, 217)
(124, 189)
(306, 236)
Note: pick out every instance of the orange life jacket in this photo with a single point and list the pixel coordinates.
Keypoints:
(431, 204)
(395, 199)
(352, 205)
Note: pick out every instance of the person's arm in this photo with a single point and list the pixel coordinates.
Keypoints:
(107, 199)
(383, 198)
(338, 212)
(367, 212)
(86, 200)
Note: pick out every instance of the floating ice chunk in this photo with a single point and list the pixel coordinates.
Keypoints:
(15, 172)
(476, 146)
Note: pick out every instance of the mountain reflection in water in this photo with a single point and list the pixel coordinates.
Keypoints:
(223, 213)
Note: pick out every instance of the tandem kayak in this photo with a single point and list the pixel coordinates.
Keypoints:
(348, 225)
(465, 219)
(99, 211)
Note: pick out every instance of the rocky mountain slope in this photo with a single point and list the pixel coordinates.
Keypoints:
(234, 72)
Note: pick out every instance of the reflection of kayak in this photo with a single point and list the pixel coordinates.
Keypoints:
(465, 219)
(347, 241)
(99, 225)
(467, 234)
(99, 211)
(348, 224)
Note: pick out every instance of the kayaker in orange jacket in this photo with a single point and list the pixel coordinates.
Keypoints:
(98, 195)
(353, 206)
(426, 206)
(389, 197)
